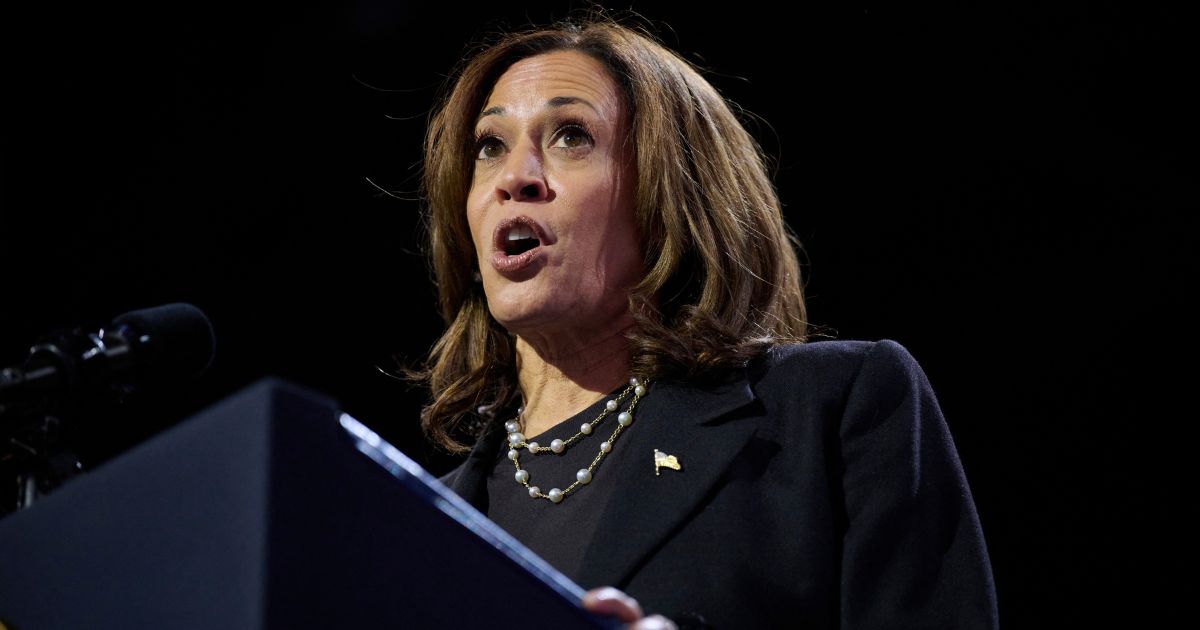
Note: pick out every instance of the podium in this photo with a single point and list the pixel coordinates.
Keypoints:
(271, 509)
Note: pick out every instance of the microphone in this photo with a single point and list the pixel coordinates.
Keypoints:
(142, 348)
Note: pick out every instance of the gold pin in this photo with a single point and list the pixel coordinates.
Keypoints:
(662, 460)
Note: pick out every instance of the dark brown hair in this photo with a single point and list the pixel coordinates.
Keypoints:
(721, 280)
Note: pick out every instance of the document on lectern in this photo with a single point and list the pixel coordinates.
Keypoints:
(496, 558)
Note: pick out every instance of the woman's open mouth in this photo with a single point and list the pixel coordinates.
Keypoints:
(517, 244)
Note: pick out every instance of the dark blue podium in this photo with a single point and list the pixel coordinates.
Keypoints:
(271, 510)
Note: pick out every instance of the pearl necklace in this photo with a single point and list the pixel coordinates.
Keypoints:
(516, 441)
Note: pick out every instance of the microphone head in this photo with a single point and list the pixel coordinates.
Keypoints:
(176, 341)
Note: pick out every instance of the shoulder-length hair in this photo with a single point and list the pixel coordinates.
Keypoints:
(721, 280)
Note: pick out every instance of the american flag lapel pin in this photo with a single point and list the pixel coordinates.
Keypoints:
(662, 460)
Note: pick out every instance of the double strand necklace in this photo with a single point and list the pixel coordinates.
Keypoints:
(516, 442)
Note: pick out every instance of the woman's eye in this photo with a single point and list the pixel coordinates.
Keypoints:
(573, 137)
(489, 148)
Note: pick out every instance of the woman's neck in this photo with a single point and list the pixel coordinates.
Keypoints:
(559, 383)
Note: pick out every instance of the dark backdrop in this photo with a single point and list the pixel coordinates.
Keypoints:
(1000, 190)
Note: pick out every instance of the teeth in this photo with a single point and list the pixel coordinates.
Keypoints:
(520, 232)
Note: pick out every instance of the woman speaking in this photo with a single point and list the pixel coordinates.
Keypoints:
(625, 360)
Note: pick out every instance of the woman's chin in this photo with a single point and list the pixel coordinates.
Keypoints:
(524, 316)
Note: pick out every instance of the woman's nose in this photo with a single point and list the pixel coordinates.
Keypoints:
(523, 178)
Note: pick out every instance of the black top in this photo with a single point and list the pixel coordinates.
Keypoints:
(556, 531)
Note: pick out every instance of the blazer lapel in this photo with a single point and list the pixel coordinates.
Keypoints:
(696, 425)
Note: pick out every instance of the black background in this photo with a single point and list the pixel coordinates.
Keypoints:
(1000, 190)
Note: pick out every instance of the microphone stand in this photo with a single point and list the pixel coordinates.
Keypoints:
(39, 464)
(35, 447)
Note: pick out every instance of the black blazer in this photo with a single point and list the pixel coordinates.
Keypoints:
(820, 488)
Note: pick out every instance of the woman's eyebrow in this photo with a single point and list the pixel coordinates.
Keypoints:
(560, 101)
(491, 111)
(557, 101)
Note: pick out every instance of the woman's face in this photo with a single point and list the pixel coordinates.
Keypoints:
(551, 207)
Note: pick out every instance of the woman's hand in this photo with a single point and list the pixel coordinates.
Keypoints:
(612, 602)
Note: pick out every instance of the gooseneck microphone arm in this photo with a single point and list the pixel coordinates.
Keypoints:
(63, 369)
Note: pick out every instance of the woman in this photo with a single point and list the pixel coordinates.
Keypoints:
(624, 359)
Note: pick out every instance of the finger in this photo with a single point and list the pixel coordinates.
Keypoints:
(654, 622)
(612, 602)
